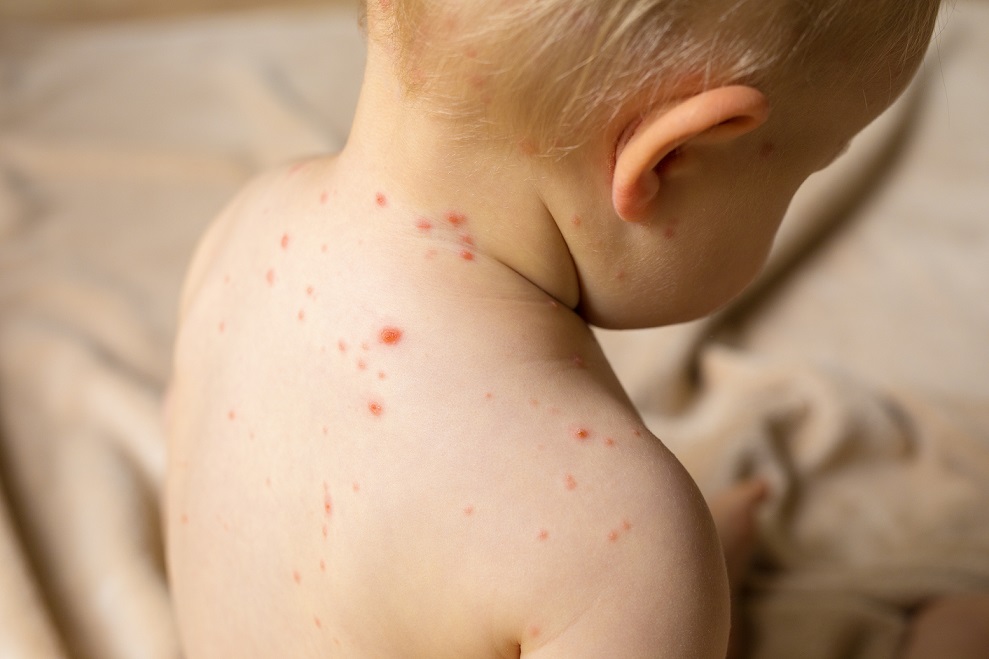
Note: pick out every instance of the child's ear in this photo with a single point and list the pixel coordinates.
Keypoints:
(716, 115)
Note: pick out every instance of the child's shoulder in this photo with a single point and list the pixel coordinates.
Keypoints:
(634, 569)
(276, 188)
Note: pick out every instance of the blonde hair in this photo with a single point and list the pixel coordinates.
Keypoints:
(548, 73)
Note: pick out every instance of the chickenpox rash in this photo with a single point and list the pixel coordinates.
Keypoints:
(302, 315)
(342, 346)
(543, 535)
(424, 225)
(232, 415)
(222, 327)
(381, 200)
(390, 336)
(270, 277)
(534, 632)
(614, 535)
(316, 621)
(324, 197)
(609, 442)
(468, 511)
(184, 519)
(285, 241)
(322, 565)
(581, 433)
(361, 365)
(456, 219)
(576, 221)
(467, 255)
(356, 487)
(310, 291)
(489, 396)
(296, 577)
(375, 408)
(570, 482)
(670, 231)
(327, 500)
(578, 361)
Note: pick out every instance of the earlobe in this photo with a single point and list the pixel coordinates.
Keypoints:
(714, 116)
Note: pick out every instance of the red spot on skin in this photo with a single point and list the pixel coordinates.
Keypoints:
(670, 231)
(431, 254)
(327, 500)
(578, 361)
(296, 577)
(467, 240)
(527, 147)
(297, 166)
(270, 277)
(637, 433)
(382, 375)
(226, 279)
(356, 487)
(322, 565)
(232, 415)
(375, 408)
(455, 218)
(424, 225)
(576, 221)
(324, 249)
(326, 431)
(319, 625)
(608, 441)
(626, 525)
(361, 365)
(324, 197)
(620, 275)
(534, 402)
(613, 536)
(489, 396)
(467, 255)
(390, 336)
(468, 511)
(554, 304)
(267, 482)
(342, 346)
(326, 531)
(534, 632)
(302, 315)
(185, 519)
(381, 200)
(581, 433)
(365, 346)
(470, 52)
(570, 482)
(310, 291)
(285, 241)
(543, 535)
(222, 326)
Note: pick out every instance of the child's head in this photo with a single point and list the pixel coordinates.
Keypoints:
(549, 73)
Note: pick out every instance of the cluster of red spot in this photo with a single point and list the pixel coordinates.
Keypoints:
(615, 534)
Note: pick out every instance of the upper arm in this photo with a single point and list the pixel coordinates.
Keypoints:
(662, 592)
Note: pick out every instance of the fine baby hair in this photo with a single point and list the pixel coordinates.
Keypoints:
(547, 73)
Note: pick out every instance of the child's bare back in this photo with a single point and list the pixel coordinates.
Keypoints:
(386, 445)
(392, 433)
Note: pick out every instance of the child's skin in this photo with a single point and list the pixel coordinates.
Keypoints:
(392, 432)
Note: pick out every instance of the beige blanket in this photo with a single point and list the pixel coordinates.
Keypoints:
(855, 375)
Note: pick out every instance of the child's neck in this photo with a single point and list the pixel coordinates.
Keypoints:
(412, 156)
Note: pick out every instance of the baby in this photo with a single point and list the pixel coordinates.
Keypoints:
(392, 433)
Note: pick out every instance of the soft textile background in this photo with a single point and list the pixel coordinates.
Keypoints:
(855, 375)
